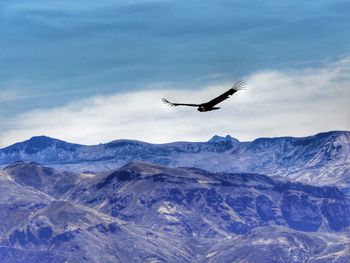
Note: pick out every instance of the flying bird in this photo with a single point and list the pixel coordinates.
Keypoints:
(209, 106)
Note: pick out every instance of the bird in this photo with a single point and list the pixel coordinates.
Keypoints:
(210, 105)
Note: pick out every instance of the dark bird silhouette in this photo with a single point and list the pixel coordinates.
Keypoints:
(209, 106)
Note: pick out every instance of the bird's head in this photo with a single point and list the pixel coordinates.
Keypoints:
(201, 108)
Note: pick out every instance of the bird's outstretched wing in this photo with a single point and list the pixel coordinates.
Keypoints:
(171, 104)
(238, 86)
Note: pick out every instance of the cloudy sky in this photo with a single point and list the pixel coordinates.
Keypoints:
(94, 71)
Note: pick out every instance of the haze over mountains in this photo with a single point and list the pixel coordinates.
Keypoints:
(321, 159)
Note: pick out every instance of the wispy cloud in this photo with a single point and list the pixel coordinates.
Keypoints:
(276, 103)
(72, 45)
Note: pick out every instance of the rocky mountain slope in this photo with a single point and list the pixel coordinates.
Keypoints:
(148, 213)
(322, 159)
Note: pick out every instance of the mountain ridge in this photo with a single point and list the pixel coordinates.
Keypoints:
(318, 159)
(213, 138)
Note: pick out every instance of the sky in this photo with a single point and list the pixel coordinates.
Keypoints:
(94, 71)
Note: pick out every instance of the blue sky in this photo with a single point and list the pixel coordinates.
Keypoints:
(54, 54)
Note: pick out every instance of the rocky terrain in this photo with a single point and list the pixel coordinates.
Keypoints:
(143, 212)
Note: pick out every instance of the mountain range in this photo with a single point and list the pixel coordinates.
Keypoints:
(270, 200)
(149, 213)
(321, 159)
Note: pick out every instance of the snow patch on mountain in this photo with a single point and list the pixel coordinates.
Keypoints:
(321, 159)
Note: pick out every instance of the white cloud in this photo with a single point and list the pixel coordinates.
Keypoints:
(296, 102)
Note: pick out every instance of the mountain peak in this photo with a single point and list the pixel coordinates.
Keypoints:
(339, 135)
(227, 138)
(41, 140)
(35, 141)
(41, 137)
(336, 132)
(35, 145)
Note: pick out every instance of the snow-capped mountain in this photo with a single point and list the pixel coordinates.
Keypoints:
(322, 159)
(148, 213)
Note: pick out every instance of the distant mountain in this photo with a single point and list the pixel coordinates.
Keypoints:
(41, 149)
(322, 159)
(147, 213)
